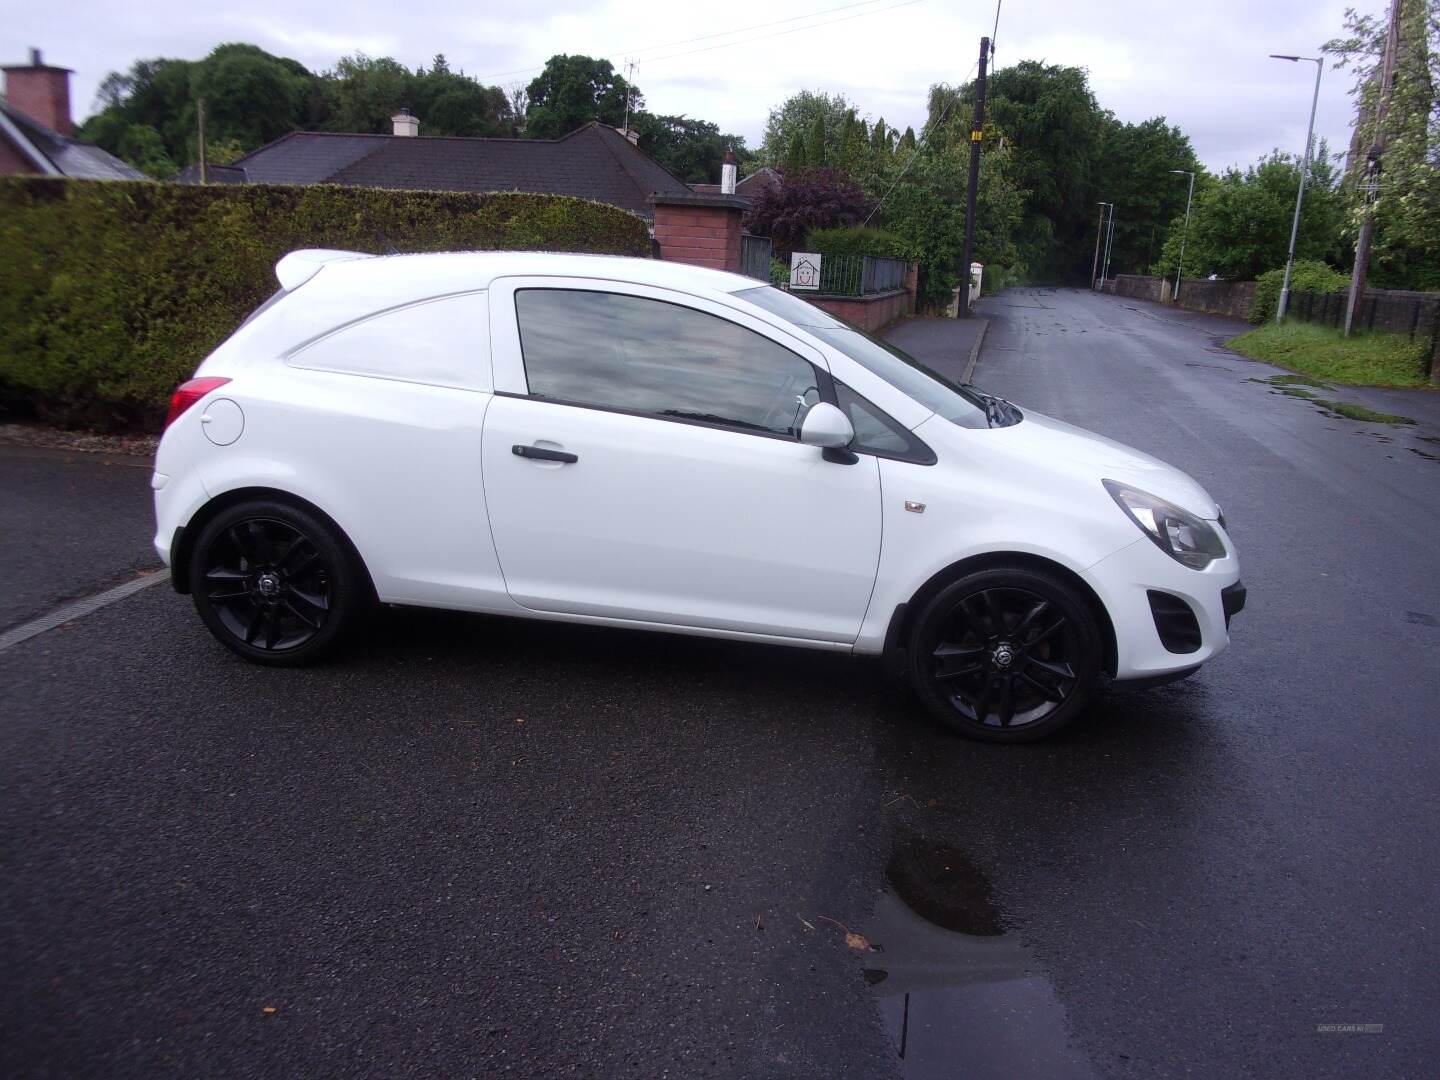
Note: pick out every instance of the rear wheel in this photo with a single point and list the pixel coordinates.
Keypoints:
(1006, 654)
(275, 583)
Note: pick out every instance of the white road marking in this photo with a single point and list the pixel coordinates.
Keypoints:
(78, 610)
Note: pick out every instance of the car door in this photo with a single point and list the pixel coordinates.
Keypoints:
(642, 462)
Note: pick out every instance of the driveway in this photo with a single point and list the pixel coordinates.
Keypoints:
(474, 846)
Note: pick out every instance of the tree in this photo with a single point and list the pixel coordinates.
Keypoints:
(1406, 247)
(812, 199)
(251, 96)
(794, 163)
(574, 90)
(363, 92)
(816, 150)
(797, 115)
(691, 149)
(1240, 224)
(1136, 163)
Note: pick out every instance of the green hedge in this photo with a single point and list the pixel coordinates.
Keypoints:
(857, 240)
(111, 293)
(1308, 275)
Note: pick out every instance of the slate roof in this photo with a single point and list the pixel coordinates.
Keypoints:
(70, 156)
(761, 180)
(214, 174)
(593, 162)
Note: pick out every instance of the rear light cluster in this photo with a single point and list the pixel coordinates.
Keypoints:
(188, 393)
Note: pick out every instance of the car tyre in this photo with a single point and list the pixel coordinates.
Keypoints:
(1006, 654)
(275, 583)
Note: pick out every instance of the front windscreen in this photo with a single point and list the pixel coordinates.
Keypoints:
(897, 367)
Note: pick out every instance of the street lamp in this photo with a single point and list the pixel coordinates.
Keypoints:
(1186, 231)
(1099, 232)
(1319, 62)
(1109, 243)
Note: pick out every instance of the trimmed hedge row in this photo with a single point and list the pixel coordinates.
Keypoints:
(112, 292)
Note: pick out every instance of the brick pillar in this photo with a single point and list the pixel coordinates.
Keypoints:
(912, 286)
(700, 228)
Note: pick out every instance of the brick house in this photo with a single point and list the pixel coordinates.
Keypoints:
(37, 135)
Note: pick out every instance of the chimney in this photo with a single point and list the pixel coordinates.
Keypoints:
(727, 174)
(405, 123)
(41, 92)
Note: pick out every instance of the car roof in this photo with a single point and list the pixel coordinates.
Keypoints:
(448, 272)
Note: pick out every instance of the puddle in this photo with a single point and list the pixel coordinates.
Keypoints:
(960, 997)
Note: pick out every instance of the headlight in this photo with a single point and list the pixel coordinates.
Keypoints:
(1184, 537)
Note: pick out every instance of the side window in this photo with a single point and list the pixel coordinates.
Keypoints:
(877, 433)
(444, 342)
(659, 359)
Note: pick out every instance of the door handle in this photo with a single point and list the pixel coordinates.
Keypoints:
(539, 453)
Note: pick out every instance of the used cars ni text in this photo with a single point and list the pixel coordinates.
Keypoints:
(635, 443)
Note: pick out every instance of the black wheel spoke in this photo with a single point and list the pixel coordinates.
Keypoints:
(308, 620)
(1058, 669)
(992, 612)
(1048, 632)
(953, 661)
(291, 549)
(1007, 702)
(259, 542)
(1029, 620)
(1047, 692)
(222, 594)
(315, 600)
(982, 703)
(252, 628)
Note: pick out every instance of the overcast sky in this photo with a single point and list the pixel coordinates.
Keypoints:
(1203, 66)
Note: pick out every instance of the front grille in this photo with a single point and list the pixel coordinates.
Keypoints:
(1175, 622)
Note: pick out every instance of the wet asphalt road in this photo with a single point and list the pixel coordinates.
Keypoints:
(475, 846)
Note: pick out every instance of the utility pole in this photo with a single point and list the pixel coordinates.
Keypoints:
(1185, 233)
(629, 78)
(1372, 171)
(1284, 303)
(1099, 232)
(962, 309)
(1109, 242)
(200, 115)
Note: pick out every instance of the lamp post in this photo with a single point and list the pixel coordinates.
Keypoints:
(1099, 232)
(1185, 232)
(1319, 62)
(1109, 242)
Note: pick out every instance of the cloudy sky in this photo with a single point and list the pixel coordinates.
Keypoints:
(1203, 66)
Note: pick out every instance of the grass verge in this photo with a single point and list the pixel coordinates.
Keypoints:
(1360, 360)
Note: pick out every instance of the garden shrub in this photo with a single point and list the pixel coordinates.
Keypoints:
(113, 292)
(1307, 275)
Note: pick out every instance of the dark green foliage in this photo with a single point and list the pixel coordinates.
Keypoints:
(795, 117)
(1240, 225)
(1308, 275)
(857, 240)
(111, 293)
(693, 150)
(574, 90)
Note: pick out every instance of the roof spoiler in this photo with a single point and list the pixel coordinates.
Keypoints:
(298, 267)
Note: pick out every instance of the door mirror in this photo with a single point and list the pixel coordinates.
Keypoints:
(826, 426)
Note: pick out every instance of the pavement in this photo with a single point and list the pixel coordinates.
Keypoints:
(474, 846)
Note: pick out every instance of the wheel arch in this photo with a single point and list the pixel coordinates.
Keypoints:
(902, 621)
(183, 544)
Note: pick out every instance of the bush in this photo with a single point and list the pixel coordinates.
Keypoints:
(857, 240)
(1307, 275)
(112, 292)
(814, 199)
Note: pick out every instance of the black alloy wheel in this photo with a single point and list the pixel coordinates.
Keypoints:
(1006, 655)
(273, 583)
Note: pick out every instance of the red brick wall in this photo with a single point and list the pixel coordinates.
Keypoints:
(869, 312)
(699, 235)
(42, 93)
(12, 160)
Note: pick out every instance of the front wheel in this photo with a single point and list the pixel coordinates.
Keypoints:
(275, 583)
(1005, 654)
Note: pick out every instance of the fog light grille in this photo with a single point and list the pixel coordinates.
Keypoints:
(1175, 622)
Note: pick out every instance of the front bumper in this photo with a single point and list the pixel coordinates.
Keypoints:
(1124, 583)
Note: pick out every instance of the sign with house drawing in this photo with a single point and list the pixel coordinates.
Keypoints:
(804, 270)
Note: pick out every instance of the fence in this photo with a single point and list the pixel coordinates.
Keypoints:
(755, 256)
(1414, 314)
(860, 275)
